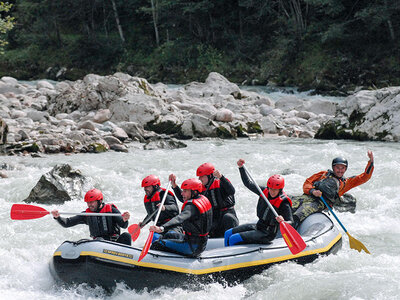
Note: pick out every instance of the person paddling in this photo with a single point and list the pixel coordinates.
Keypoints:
(330, 184)
(221, 193)
(107, 228)
(266, 229)
(196, 219)
(152, 200)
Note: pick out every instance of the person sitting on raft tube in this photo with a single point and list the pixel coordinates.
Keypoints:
(265, 230)
(152, 200)
(221, 193)
(107, 228)
(319, 185)
(196, 219)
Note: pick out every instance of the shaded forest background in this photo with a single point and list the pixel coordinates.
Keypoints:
(327, 45)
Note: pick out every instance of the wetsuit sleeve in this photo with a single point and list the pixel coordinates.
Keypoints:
(354, 181)
(309, 183)
(118, 219)
(170, 204)
(285, 210)
(178, 193)
(72, 221)
(248, 183)
(188, 212)
(227, 186)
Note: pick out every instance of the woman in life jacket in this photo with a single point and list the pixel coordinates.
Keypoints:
(265, 230)
(195, 218)
(152, 201)
(108, 228)
(319, 185)
(221, 193)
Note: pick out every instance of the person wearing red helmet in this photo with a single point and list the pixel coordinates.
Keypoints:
(108, 228)
(195, 218)
(330, 184)
(221, 193)
(152, 200)
(265, 230)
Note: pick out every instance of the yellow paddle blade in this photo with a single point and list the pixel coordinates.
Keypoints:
(356, 244)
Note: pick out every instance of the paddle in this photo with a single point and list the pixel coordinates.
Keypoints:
(28, 212)
(292, 238)
(134, 229)
(150, 237)
(354, 243)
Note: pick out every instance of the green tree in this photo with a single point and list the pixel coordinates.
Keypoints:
(6, 23)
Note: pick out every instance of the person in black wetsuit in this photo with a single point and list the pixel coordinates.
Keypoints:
(221, 193)
(266, 228)
(107, 228)
(196, 218)
(152, 200)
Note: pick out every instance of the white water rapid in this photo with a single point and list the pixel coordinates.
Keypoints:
(27, 246)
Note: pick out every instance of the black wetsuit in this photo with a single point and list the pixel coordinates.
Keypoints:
(267, 227)
(196, 225)
(221, 195)
(171, 210)
(104, 227)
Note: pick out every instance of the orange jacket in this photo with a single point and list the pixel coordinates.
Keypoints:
(345, 183)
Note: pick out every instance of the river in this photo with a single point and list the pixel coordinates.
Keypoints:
(27, 246)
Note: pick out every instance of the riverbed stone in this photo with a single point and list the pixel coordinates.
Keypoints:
(61, 184)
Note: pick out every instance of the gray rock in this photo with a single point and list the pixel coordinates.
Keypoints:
(61, 184)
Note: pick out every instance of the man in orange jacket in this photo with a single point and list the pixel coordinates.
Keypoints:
(330, 184)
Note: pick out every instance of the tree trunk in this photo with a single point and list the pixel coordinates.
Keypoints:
(389, 23)
(121, 33)
(155, 17)
(105, 20)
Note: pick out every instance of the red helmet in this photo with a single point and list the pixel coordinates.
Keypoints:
(276, 182)
(151, 180)
(205, 169)
(192, 184)
(93, 195)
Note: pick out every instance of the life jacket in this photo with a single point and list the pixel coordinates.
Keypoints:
(103, 226)
(151, 205)
(263, 211)
(330, 191)
(200, 226)
(218, 200)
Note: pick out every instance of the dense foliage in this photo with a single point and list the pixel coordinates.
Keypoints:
(323, 44)
(6, 23)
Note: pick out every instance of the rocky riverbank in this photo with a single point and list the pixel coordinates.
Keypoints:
(119, 111)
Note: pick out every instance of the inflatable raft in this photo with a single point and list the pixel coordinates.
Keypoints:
(104, 263)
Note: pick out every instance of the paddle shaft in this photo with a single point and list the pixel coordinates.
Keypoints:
(330, 209)
(261, 193)
(151, 234)
(91, 214)
(148, 218)
(162, 202)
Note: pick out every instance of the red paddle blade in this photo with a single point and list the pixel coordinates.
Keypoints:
(292, 238)
(146, 246)
(27, 212)
(134, 231)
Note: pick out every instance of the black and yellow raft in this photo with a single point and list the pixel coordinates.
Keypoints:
(105, 263)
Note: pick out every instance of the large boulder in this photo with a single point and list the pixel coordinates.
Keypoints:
(366, 115)
(61, 184)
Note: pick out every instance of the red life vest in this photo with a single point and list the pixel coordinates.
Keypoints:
(202, 225)
(107, 208)
(278, 200)
(156, 196)
(215, 185)
(103, 226)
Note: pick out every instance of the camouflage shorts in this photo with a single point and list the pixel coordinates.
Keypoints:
(305, 205)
